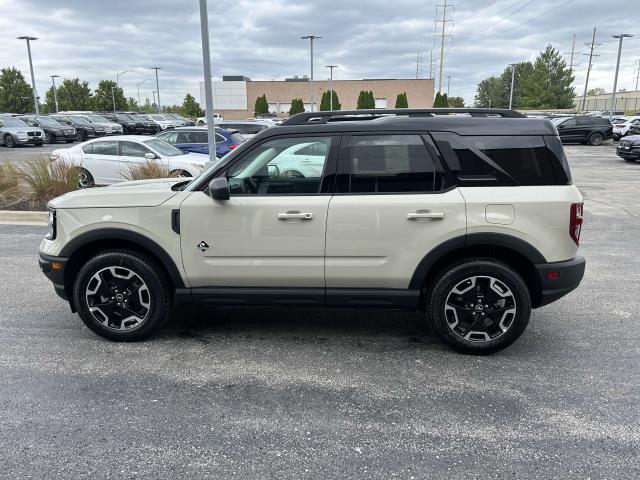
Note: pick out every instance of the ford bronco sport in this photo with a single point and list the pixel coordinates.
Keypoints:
(467, 215)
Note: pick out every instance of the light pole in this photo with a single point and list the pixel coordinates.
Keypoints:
(138, 85)
(331, 67)
(55, 94)
(513, 79)
(615, 78)
(208, 90)
(113, 95)
(448, 84)
(311, 39)
(157, 87)
(33, 80)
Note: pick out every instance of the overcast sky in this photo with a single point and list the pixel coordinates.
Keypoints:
(95, 39)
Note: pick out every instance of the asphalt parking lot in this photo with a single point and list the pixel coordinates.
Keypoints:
(298, 393)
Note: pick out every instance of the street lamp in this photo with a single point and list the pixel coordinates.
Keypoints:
(311, 39)
(113, 95)
(513, 78)
(331, 67)
(138, 85)
(208, 90)
(615, 78)
(33, 80)
(157, 87)
(55, 94)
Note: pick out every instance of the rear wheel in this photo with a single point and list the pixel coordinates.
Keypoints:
(595, 139)
(85, 179)
(9, 141)
(479, 306)
(180, 174)
(122, 295)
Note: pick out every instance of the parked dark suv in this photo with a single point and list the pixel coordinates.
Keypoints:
(149, 127)
(629, 147)
(84, 128)
(128, 124)
(584, 129)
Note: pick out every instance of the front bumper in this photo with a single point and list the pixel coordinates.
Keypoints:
(29, 140)
(631, 153)
(53, 268)
(558, 278)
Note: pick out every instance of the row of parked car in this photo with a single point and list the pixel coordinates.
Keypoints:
(80, 126)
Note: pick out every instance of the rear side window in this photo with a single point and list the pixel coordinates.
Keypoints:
(498, 160)
(392, 164)
(105, 148)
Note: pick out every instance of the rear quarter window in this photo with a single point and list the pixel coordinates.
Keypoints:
(498, 160)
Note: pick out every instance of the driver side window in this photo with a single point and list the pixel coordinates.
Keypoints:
(275, 168)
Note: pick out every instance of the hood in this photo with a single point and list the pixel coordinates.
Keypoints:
(199, 158)
(631, 138)
(137, 193)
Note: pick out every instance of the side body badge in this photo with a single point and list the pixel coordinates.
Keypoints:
(203, 247)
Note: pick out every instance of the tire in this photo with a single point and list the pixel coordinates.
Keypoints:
(81, 135)
(200, 123)
(181, 174)
(49, 138)
(473, 326)
(595, 139)
(140, 299)
(85, 179)
(9, 141)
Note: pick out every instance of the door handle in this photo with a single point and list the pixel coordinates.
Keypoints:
(295, 216)
(427, 215)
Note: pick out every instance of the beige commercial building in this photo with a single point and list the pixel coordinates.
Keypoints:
(625, 101)
(234, 97)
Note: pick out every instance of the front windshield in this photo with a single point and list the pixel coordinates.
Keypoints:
(98, 119)
(80, 120)
(158, 117)
(12, 122)
(49, 122)
(164, 148)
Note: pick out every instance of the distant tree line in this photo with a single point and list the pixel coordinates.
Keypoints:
(16, 96)
(543, 84)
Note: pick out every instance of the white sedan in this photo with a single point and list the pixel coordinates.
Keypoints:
(105, 161)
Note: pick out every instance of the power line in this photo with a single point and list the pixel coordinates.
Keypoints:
(484, 30)
(539, 16)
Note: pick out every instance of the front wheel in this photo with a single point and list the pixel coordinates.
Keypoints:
(479, 306)
(595, 139)
(121, 295)
(49, 138)
(9, 141)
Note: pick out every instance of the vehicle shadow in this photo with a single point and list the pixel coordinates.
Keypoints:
(206, 322)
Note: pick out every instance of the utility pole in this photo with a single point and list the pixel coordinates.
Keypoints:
(33, 81)
(637, 74)
(612, 107)
(157, 87)
(55, 95)
(431, 65)
(442, 37)
(448, 84)
(513, 79)
(572, 52)
(138, 85)
(591, 46)
(311, 38)
(331, 67)
(208, 89)
(113, 97)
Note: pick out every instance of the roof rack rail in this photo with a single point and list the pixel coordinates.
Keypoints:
(371, 114)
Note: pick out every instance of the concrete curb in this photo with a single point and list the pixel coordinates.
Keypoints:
(14, 217)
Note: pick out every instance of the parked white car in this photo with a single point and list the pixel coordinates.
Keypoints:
(299, 161)
(246, 128)
(217, 118)
(163, 121)
(106, 161)
(621, 126)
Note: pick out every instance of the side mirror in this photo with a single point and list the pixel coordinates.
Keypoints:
(149, 156)
(219, 189)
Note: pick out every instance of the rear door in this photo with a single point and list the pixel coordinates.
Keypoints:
(101, 159)
(391, 208)
(569, 130)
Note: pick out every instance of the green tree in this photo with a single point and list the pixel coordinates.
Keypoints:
(546, 84)
(102, 98)
(72, 95)
(132, 104)
(297, 106)
(402, 101)
(372, 100)
(361, 104)
(147, 106)
(325, 103)
(440, 101)
(16, 96)
(191, 108)
(261, 106)
(456, 102)
(596, 91)
(491, 93)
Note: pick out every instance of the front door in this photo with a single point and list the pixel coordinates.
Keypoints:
(392, 207)
(132, 157)
(271, 232)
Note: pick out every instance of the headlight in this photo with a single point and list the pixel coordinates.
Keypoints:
(56, 131)
(51, 225)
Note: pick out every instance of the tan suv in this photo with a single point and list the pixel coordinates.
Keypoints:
(467, 215)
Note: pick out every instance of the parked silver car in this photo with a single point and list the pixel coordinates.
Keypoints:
(111, 128)
(14, 131)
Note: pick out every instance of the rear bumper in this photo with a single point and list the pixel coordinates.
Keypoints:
(53, 269)
(558, 278)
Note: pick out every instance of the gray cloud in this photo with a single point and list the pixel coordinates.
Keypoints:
(261, 39)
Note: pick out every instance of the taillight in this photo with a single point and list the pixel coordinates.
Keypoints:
(232, 146)
(575, 221)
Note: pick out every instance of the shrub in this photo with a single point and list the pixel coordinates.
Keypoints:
(148, 170)
(8, 176)
(47, 180)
